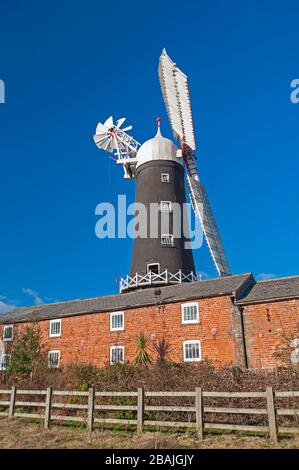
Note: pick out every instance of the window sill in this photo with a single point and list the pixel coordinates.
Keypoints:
(191, 322)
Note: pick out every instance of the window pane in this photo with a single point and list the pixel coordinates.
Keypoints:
(117, 355)
(55, 328)
(167, 240)
(53, 359)
(192, 351)
(188, 351)
(190, 313)
(7, 334)
(165, 206)
(4, 361)
(117, 321)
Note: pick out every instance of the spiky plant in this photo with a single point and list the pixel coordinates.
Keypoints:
(143, 357)
(163, 350)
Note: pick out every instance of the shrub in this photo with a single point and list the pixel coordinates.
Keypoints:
(27, 358)
(162, 349)
(143, 357)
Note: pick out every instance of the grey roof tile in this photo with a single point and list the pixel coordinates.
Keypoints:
(142, 297)
(272, 289)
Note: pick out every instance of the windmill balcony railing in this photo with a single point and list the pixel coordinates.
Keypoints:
(150, 279)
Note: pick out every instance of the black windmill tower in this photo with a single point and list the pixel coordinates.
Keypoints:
(162, 254)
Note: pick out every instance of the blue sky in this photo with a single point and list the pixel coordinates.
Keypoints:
(67, 65)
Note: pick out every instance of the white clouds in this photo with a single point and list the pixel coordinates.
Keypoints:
(4, 307)
(6, 304)
(32, 293)
(265, 276)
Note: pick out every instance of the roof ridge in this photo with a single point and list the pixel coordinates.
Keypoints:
(277, 279)
(36, 307)
(132, 296)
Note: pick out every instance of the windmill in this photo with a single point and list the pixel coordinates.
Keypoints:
(175, 90)
(147, 163)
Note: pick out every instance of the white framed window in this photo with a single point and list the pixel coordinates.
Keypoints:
(53, 359)
(165, 177)
(117, 321)
(55, 328)
(190, 313)
(8, 333)
(117, 354)
(166, 240)
(153, 268)
(165, 206)
(4, 361)
(192, 350)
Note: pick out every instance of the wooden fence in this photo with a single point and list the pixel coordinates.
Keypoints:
(91, 409)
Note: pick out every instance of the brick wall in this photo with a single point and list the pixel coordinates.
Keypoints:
(87, 338)
(268, 328)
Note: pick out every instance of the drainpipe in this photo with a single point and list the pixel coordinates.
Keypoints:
(240, 308)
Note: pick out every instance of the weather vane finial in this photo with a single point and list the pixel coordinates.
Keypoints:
(159, 124)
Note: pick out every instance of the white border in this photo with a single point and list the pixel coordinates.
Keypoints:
(112, 315)
(54, 351)
(168, 178)
(54, 335)
(151, 264)
(117, 347)
(169, 209)
(167, 235)
(3, 337)
(189, 304)
(192, 341)
(1, 356)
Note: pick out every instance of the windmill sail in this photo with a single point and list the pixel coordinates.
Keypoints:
(203, 211)
(175, 90)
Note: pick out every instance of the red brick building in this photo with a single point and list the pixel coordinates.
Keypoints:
(228, 320)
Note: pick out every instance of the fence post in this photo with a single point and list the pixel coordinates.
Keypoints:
(199, 412)
(271, 414)
(140, 409)
(48, 408)
(90, 411)
(12, 402)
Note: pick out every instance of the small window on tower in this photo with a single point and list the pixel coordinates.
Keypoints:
(165, 206)
(167, 240)
(153, 268)
(165, 177)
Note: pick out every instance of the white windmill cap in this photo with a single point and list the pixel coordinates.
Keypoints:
(158, 148)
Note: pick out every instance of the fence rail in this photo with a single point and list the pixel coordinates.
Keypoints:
(91, 408)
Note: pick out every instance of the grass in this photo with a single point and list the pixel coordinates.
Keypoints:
(22, 434)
